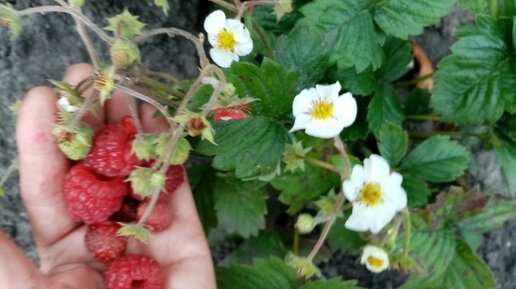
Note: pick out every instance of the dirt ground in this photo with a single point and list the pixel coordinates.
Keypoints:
(49, 44)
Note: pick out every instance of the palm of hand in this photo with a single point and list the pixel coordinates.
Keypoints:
(181, 250)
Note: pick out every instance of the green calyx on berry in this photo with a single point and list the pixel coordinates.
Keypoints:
(293, 156)
(144, 146)
(304, 266)
(305, 223)
(134, 230)
(196, 124)
(181, 152)
(10, 18)
(125, 25)
(75, 143)
(146, 181)
(124, 53)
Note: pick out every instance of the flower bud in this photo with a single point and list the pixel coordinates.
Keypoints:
(375, 259)
(305, 223)
(228, 89)
(74, 143)
(124, 53)
(304, 266)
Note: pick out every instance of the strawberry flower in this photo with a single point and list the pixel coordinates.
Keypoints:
(375, 259)
(322, 112)
(376, 195)
(229, 38)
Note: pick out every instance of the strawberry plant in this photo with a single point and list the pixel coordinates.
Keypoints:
(306, 133)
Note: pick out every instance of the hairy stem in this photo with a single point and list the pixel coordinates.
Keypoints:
(494, 8)
(171, 32)
(158, 85)
(248, 4)
(328, 225)
(406, 215)
(69, 10)
(167, 77)
(423, 117)
(133, 109)
(263, 39)
(413, 81)
(342, 149)
(226, 5)
(324, 165)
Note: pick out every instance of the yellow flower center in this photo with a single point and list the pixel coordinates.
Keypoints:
(226, 40)
(322, 109)
(104, 82)
(374, 262)
(370, 194)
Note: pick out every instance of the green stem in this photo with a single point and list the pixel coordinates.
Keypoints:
(453, 134)
(296, 242)
(423, 117)
(324, 165)
(406, 215)
(167, 76)
(225, 5)
(153, 84)
(263, 39)
(413, 81)
(494, 8)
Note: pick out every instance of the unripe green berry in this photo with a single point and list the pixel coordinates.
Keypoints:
(74, 143)
(305, 223)
(228, 89)
(124, 53)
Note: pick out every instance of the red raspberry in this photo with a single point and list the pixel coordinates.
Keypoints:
(89, 198)
(110, 153)
(134, 272)
(175, 178)
(160, 217)
(102, 241)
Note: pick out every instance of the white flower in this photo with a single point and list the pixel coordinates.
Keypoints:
(376, 195)
(375, 259)
(229, 38)
(322, 112)
(64, 104)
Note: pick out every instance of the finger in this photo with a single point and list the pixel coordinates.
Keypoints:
(42, 167)
(150, 123)
(16, 269)
(116, 107)
(182, 249)
(75, 75)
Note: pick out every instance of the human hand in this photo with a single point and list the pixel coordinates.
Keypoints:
(181, 250)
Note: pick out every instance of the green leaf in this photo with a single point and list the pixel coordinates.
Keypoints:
(240, 206)
(493, 216)
(384, 107)
(335, 283)
(306, 55)
(270, 83)
(437, 159)
(506, 154)
(200, 98)
(475, 6)
(202, 181)
(392, 143)
(344, 240)
(261, 246)
(417, 192)
(251, 147)
(417, 102)
(473, 85)
(266, 274)
(403, 18)
(350, 24)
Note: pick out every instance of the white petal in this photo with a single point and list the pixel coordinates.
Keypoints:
(359, 220)
(355, 183)
(223, 58)
(327, 128)
(376, 169)
(303, 101)
(215, 21)
(212, 39)
(394, 192)
(244, 48)
(241, 34)
(381, 216)
(345, 109)
(300, 123)
(330, 92)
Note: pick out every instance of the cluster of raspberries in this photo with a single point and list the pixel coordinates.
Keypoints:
(97, 194)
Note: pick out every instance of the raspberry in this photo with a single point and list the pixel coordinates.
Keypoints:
(175, 178)
(110, 154)
(159, 219)
(89, 198)
(102, 241)
(128, 211)
(134, 272)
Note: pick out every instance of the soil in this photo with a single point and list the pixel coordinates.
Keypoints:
(48, 44)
